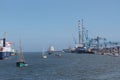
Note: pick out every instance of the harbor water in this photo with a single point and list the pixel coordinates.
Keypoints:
(67, 67)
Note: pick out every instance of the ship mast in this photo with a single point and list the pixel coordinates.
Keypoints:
(20, 53)
(82, 33)
(79, 32)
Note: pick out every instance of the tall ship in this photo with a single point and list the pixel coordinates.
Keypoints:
(5, 48)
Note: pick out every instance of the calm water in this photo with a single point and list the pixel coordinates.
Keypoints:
(67, 67)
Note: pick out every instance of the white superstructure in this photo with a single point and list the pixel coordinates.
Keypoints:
(51, 49)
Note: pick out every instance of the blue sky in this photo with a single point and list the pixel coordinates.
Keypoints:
(40, 23)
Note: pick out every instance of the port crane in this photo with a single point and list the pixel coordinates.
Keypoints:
(95, 42)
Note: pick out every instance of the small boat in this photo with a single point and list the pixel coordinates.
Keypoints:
(21, 62)
(44, 55)
(58, 55)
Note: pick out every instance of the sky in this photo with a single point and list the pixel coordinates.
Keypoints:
(41, 23)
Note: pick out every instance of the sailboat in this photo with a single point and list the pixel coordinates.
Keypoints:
(44, 55)
(21, 61)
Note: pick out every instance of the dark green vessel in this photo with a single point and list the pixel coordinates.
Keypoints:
(21, 64)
